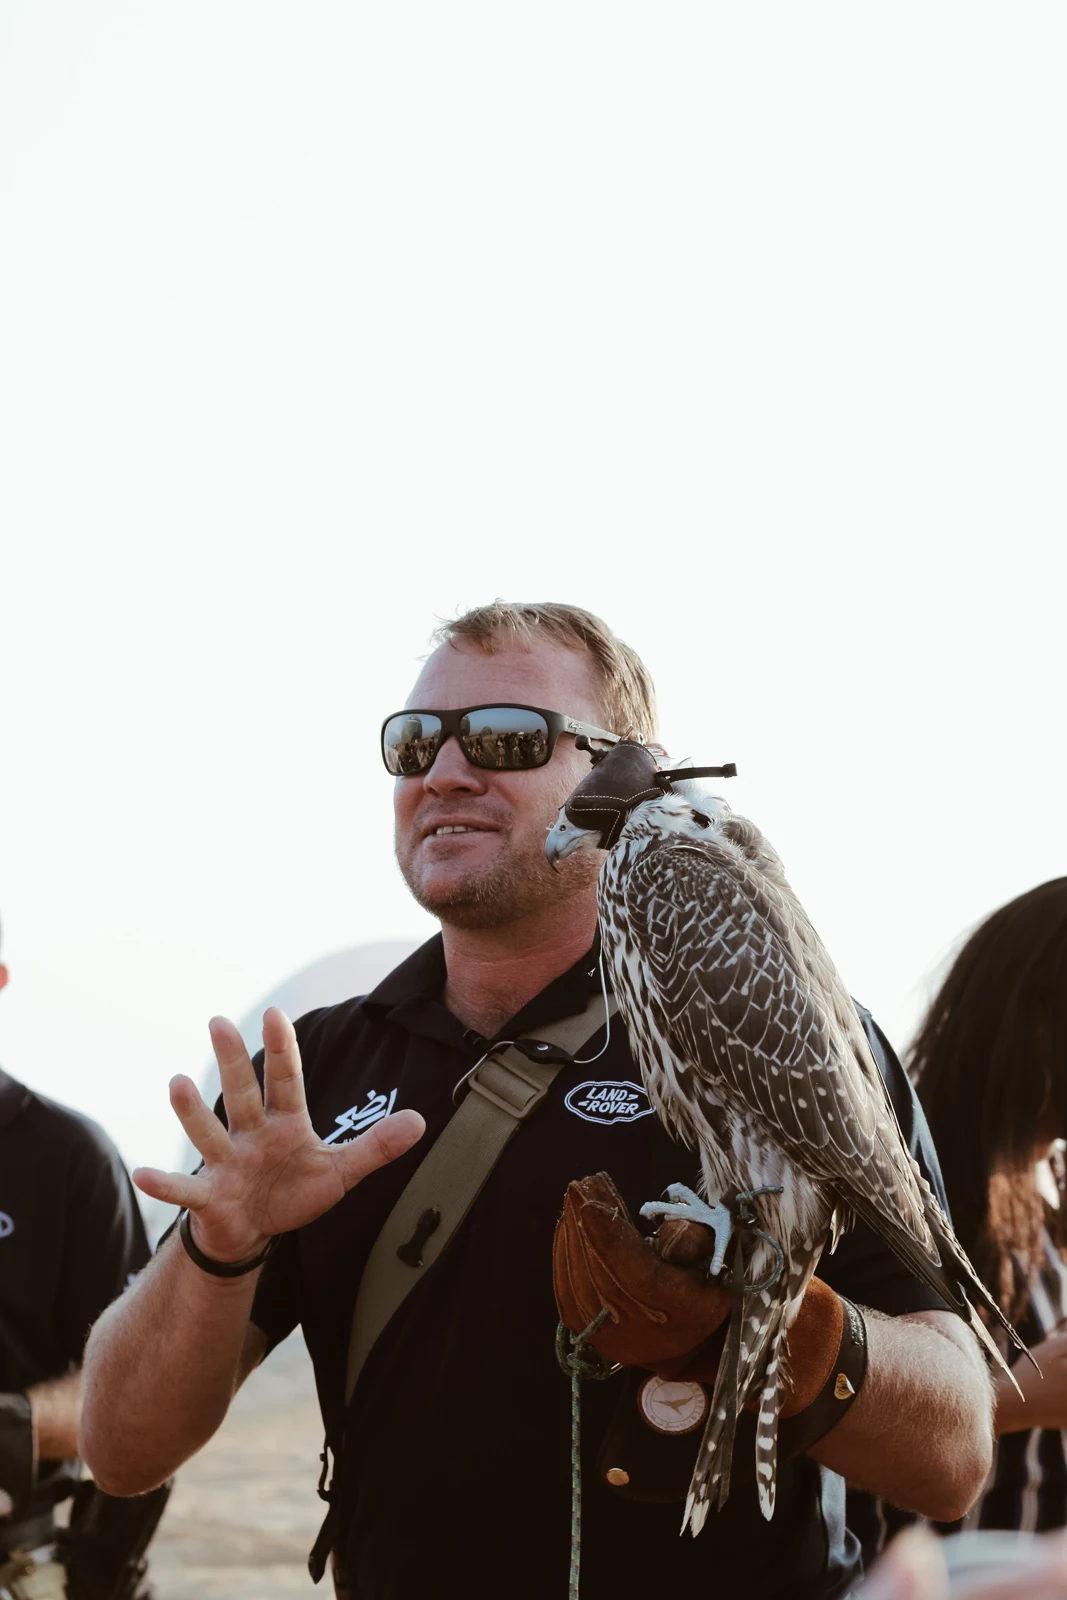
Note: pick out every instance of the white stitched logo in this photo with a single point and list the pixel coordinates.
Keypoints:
(358, 1118)
(6, 1225)
(608, 1100)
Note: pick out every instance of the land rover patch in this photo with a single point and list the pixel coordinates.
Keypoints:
(608, 1100)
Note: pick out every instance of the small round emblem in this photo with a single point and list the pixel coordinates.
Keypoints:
(672, 1407)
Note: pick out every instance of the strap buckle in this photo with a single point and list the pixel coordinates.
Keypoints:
(508, 1093)
(540, 1050)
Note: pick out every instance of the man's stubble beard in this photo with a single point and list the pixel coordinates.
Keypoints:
(514, 887)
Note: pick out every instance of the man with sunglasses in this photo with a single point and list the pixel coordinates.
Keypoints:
(454, 1470)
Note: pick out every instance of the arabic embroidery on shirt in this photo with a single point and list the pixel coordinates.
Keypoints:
(358, 1118)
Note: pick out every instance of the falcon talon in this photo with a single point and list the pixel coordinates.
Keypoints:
(683, 1204)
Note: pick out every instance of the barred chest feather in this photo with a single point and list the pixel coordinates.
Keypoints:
(735, 1153)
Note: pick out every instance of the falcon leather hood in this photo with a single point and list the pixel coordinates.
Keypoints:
(622, 779)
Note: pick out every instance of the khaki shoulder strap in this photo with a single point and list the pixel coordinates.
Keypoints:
(505, 1088)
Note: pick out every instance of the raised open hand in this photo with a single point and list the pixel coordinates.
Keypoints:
(268, 1172)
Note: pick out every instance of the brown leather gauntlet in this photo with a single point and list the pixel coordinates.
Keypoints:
(663, 1313)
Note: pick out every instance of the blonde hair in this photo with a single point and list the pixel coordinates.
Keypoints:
(627, 690)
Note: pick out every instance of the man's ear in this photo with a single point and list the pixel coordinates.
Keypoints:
(3, 974)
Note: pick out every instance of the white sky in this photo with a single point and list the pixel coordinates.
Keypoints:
(743, 325)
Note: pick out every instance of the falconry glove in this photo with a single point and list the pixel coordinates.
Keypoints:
(667, 1315)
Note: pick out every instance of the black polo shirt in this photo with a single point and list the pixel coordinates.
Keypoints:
(460, 1428)
(71, 1237)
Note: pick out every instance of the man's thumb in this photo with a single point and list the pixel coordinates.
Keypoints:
(381, 1144)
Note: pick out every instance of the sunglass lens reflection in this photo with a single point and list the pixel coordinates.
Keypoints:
(411, 742)
(505, 737)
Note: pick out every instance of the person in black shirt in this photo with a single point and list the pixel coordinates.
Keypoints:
(456, 1471)
(71, 1239)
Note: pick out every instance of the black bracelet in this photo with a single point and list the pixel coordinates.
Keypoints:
(219, 1269)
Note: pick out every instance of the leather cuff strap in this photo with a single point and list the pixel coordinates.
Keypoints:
(219, 1269)
(799, 1432)
(18, 1468)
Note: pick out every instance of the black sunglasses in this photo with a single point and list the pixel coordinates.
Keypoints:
(498, 738)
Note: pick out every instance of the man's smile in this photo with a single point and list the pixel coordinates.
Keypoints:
(455, 831)
(453, 826)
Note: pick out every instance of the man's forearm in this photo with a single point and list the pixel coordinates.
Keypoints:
(920, 1431)
(160, 1370)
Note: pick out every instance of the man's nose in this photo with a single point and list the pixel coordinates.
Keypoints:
(452, 773)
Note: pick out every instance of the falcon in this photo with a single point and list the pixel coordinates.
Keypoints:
(753, 1055)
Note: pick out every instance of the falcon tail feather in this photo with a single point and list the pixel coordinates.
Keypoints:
(711, 1472)
(767, 1427)
(734, 1383)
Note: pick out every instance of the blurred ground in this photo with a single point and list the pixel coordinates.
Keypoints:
(244, 1512)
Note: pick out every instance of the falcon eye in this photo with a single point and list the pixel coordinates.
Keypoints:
(701, 820)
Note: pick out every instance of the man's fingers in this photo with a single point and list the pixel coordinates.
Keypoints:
(241, 1093)
(379, 1145)
(283, 1076)
(205, 1130)
(173, 1188)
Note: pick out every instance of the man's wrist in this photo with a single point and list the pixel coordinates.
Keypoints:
(216, 1266)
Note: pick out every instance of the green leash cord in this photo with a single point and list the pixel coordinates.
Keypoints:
(580, 1359)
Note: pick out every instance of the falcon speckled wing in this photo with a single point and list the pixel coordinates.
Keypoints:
(754, 1056)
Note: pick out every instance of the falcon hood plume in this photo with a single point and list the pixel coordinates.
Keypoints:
(753, 1055)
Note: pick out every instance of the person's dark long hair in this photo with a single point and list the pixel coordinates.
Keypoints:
(990, 1067)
